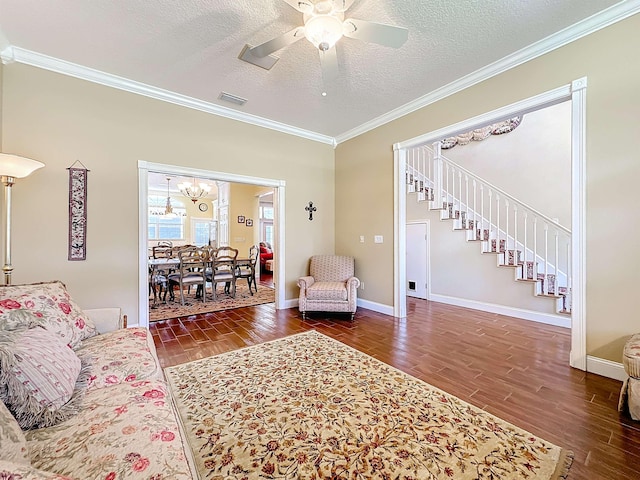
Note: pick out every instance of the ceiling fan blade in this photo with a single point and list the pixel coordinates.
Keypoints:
(387, 35)
(275, 44)
(342, 5)
(304, 6)
(329, 62)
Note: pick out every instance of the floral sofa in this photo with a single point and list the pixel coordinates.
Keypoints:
(82, 397)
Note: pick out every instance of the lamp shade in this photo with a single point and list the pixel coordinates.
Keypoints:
(18, 167)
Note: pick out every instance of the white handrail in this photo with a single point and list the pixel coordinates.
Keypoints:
(501, 192)
(444, 178)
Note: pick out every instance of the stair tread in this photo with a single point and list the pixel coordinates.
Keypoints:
(513, 257)
(550, 295)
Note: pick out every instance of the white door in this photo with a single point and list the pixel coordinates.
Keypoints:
(417, 260)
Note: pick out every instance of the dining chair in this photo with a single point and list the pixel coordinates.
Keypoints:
(248, 270)
(223, 267)
(158, 281)
(191, 271)
(158, 285)
(161, 251)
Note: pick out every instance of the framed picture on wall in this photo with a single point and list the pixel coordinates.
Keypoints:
(249, 222)
(240, 218)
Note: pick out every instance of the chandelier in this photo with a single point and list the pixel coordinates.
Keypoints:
(168, 210)
(194, 191)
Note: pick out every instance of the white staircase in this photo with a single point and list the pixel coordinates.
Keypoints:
(535, 246)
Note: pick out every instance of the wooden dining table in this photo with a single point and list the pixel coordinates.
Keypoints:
(168, 263)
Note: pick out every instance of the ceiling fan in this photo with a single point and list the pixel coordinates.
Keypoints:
(324, 25)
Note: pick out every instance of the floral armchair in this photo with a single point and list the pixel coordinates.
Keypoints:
(330, 287)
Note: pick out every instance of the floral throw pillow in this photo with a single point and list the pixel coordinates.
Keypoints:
(51, 302)
(13, 445)
(38, 373)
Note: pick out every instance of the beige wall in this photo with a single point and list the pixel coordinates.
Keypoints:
(364, 173)
(244, 201)
(58, 119)
(1, 109)
(532, 163)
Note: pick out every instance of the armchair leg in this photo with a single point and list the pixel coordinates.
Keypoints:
(304, 315)
(353, 315)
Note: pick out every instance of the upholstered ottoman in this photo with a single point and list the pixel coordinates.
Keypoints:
(630, 393)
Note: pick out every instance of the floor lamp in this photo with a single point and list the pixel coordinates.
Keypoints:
(12, 167)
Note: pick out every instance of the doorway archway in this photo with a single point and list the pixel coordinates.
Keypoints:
(278, 187)
(574, 92)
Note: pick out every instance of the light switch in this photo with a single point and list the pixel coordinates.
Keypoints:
(377, 239)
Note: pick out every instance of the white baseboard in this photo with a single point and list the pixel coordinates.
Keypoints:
(606, 368)
(376, 307)
(291, 303)
(547, 318)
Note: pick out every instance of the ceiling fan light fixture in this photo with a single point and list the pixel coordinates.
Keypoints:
(323, 31)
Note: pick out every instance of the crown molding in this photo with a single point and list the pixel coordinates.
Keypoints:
(596, 22)
(570, 34)
(13, 54)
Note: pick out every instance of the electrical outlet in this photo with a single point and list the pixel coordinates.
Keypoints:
(378, 239)
(361, 238)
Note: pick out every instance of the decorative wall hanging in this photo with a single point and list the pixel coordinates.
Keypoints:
(249, 222)
(77, 211)
(310, 208)
(480, 134)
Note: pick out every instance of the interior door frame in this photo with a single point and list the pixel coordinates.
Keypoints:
(576, 92)
(278, 187)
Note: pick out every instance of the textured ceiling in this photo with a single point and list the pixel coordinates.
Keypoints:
(191, 47)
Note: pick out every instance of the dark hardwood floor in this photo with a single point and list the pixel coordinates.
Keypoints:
(515, 369)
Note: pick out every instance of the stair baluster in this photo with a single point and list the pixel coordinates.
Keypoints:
(526, 258)
(555, 264)
(439, 181)
(546, 282)
(516, 256)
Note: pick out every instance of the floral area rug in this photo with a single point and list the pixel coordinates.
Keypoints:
(310, 407)
(223, 301)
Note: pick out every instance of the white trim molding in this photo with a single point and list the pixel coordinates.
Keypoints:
(600, 20)
(145, 167)
(13, 54)
(399, 234)
(292, 303)
(531, 315)
(376, 307)
(578, 355)
(606, 368)
(574, 92)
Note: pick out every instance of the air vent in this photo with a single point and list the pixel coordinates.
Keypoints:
(227, 97)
